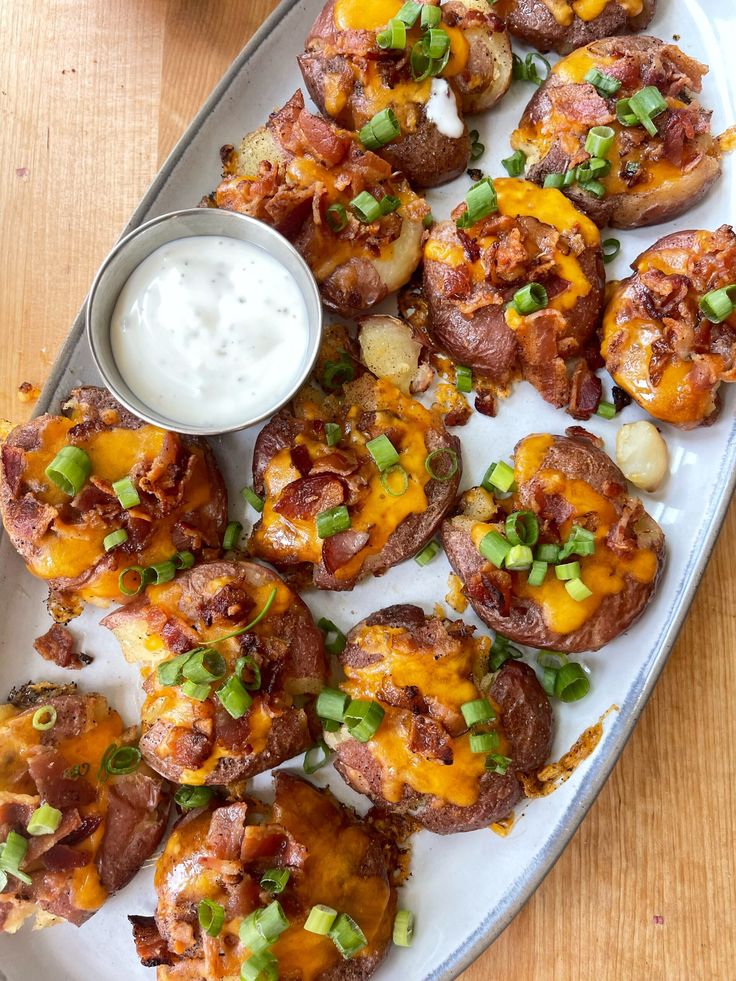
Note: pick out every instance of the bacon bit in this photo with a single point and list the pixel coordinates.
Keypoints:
(554, 775)
(150, 946)
(28, 392)
(339, 549)
(309, 496)
(585, 392)
(503, 827)
(429, 738)
(485, 403)
(451, 405)
(57, 645)
(620, 398)
(456, 598)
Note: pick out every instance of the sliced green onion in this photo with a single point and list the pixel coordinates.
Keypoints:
(366, 207)
(253, 499)
(446, 453)
(234, 698)
(44, 718)
(551, 659)
(496, 763)
(571, 682)
(250, 936)
(428, 220)
(611, 248)
(199, 693)
(554, 180)
(606, 85)
(347, 936)
(320, 919)
(606, 409)
(479, 710)
(232, 535)
(494, 547)
(463, 378)
(393, 37)
(624, 113)
(336, 645)
(567, 571)
(595, 188)
(383, 451)
(119, 760)
(522, 528)
(363, 719)
(316, 757)
(580, 541)
(483, 742)
(126, 493)
(591, 170)
(519, 558)
(336, 373)
(498, 476)
(718, 305)
(527, 71)
(549, 552)
(337, 217)
(44, 820)
(431, 16)
(403, 933)
(409, 13)
(162, 572)
(537, 573)
(12, 854)
(171, 672)
(389, 203)
(115, 538)
(426, 555)
(211, 917)
(248, 663)
(272, 921)
(530, 298)
(331, 704)
(501, 651)
(515, 164)
(382, 129)
(389, 481)
(261, 966)
(127, 588)
(577, 589)
(69, 469)
(480, 201)
(548, 680)
(332, 521)
(645, 105)
(183, 560)
(436, 42)
(274, 880)
(477, 149)
(76, 771)
(599, 141)
(333, 433)
(190, 797)
(204, 665)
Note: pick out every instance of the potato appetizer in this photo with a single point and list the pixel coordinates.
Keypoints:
(358, 225)
(352, 484)
(404, 76)
(446, 739)
(229, 654)
(563, 25)
(514, 284)
(567, 560)
(79, 811)
(90, 493)
(617, 127)
(299, 889)
(669, 332)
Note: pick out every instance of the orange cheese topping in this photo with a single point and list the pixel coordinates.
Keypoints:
(563, 11)
(446, 680)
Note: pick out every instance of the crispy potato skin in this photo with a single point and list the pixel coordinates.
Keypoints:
(654, 195)
(525, 724)
(531, 21)
(578, 459)
(675, 377)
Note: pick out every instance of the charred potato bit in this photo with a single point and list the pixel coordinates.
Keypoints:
(658, 342)
(563, 25)
(573, 491)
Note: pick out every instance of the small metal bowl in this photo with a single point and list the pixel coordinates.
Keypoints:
(137, 246)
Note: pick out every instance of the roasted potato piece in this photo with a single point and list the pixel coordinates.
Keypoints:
(353, 81)
(642, 179)
(331, 857)
(471, 274)
(563, 25)
(421, 670)
(58, 749)
(183, 503)
(389, 515)
(391, 349)
(201, 737)
(612, 550)
(658, 343)
(300, 174)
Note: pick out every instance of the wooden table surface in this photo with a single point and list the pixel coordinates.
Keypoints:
(93, 94)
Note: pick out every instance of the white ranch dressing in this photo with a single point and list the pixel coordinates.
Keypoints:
(210, 330)
(441, 109)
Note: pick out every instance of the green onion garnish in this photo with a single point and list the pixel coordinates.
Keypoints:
(444, 454)
(611, 248)
(499, 476)
(115, 538)
(316, 757)
(530, 298)
(501, 651)
(577, 589)
(537, 573)
(549, 552)
(331, 704)
(409, 13)
(480, 201)
(554, 180)
(234, 697)
(392, 37)
(162, 572)
(718, 305)
(580, 541)
(274, 880)
(463, 378)
(171, 672)
(383, 451)
(333, 433)
(363, 719)
(138, 574)
(320, 919)
(571, 682)
(337, 217)
(483, 742)
(552, 659)
(494, 547)
(232, 535)
(44, 718)
(248, 663)
(403, 933)
(479, 710)
(431, 16)
(381, 130)
(595, 188)
(211, 917)
(332, 521)
(527, 71)
(335, 639)
(567, 571)
(261, 966)
(204, 665)
(389, 203)
(606, 85)
(76, 771)
(496, 763)
(253, 499)
(250, 936)
(477, 149)
(519, 558)
(272, 921)
(522, 528)
(336, 373)
(69, 469)
(427, 553)
(12, 854)
(190, 797)
(599, 141)
(347, 936)
(395, 480)
(126, 493)
(366, 207)
(195, 691)
(591, 170)
(183, 560)
(645, 105)
(428, 220)
(515, 164)
(44, 820)
(436, 42)
(119, 760)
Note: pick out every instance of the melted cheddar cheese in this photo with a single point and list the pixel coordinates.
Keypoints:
(563, 11)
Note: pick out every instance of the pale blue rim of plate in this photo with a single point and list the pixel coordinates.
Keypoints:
(624, 721)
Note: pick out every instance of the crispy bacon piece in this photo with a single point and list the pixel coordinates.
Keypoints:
(338, 550)
(493, 587)
(57, 645)
(226, 831)
(309, 496)
(581, 102)
(585, 392)
(150, 946)
(428, 738)
(47, 770)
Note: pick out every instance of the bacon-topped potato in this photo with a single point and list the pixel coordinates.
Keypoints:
(353, 484)
(364, 67)
(427, 674)
(357, 224)
(308, 844)
(79, 811)
(476, 276)
(669, 332)
(617, 126)
(220, 710)
(563, 25)
(172, 498)
(597, 554)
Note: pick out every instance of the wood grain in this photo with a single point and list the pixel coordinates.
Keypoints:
(93, 94)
